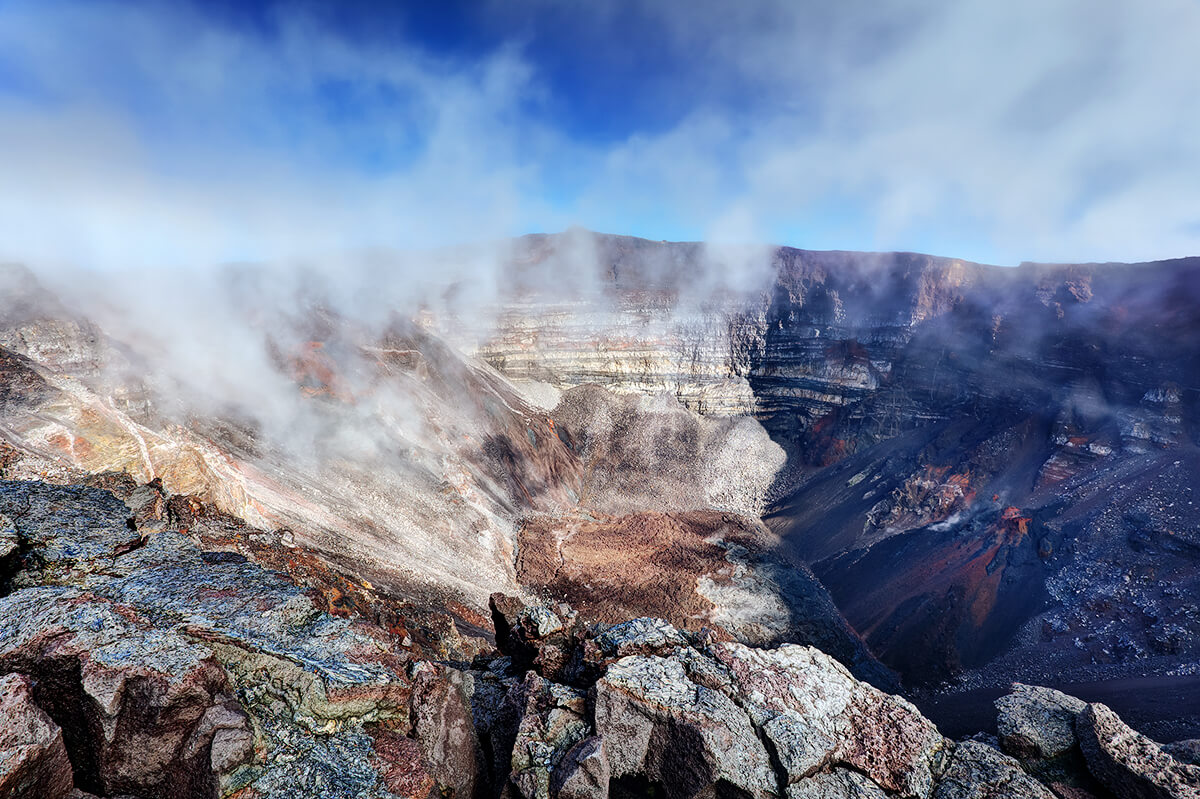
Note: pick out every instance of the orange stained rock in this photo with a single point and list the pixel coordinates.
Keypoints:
(961, 480)
(1017, 522)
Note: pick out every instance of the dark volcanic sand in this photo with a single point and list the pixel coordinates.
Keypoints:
(1163, 708)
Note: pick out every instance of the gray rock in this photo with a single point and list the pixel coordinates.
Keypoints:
(838, 783)
(1184, 751)
(661, 726)
(584, 772)
(643, 636)
(1128, 763)
(540, 621)
(1037, 723)
(8, 537)
(817, 715)
(552, 721)
(76, 531)
(977, 771)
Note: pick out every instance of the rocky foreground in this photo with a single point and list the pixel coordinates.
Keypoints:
(152, 648)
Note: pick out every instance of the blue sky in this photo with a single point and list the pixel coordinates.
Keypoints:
(155, 133)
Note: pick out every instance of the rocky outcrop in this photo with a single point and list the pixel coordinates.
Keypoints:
(1128, 763)
(1082, 749)
(683, 714)
(174, 671)
(659, 725)
(136, 704)
(136, 663)
(816, 715)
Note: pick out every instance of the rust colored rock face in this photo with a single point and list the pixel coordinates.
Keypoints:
(615, 568)
(400, 761)
(33, 758)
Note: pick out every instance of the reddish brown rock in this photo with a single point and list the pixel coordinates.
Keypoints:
(400, 761)
(445, 730)
(33, 758)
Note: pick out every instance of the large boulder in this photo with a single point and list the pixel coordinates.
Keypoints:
(1128, 763)
(1037, 723)
(553, 720)
(977, 771)
(691, 739)
(816, 715)
(132, 699)
(33, 757)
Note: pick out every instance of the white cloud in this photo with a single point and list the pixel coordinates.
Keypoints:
(1034, 129)
(166, 139)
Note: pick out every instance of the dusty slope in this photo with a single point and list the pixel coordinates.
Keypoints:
(406, 464)
(964, 441)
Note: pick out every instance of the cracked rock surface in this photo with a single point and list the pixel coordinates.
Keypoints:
(135, 663)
